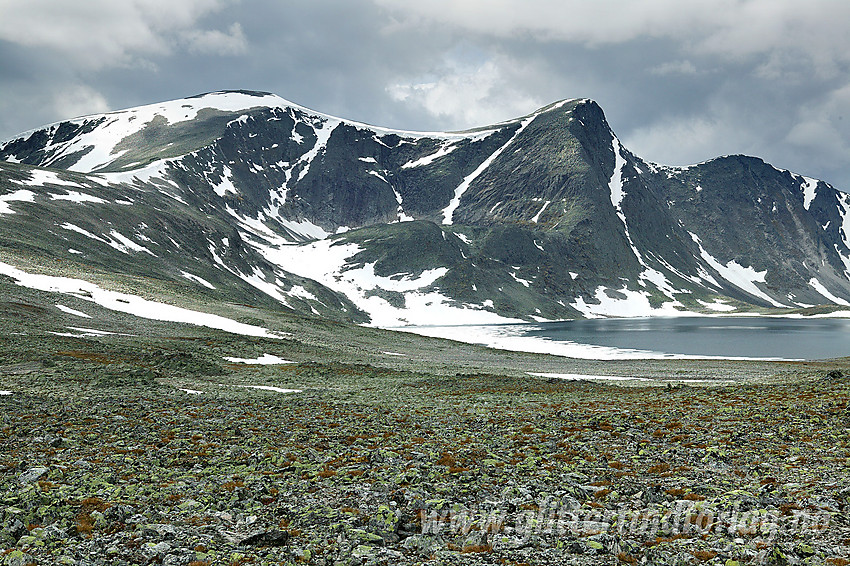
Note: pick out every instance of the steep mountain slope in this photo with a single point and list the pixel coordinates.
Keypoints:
(546, 216)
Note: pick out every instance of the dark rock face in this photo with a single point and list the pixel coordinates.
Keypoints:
(545, 216)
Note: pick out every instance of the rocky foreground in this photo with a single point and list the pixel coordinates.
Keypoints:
(370, 466)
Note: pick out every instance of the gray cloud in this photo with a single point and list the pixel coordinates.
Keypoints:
(680, 82)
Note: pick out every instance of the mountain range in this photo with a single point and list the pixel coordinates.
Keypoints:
(246, 198)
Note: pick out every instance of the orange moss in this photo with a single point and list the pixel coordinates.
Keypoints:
(704, 555)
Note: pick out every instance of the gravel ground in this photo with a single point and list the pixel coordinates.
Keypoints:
(107, 460)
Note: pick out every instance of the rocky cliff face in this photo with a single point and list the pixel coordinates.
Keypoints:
(546, 216)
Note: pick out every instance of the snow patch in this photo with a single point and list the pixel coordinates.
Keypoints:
(444, 150)
(525, 282)
(22, 195)
(323, 130)
(635, 304)
(265, 359)
(583, 377)
(448, 212)
(300, 292)
(78, 197)
(809, 188)
(196, 279)
(304, 228)
(615, 185)
(131, 304)
(126, 245)
(537, 216)
(513, 337)
(818, 286)
(269, 388)
(41, 177)
(226, 186)
(745, 278)
(328, 263)
(718, 305)
(69, 310)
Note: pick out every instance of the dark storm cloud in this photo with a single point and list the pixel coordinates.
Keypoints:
(680, 82)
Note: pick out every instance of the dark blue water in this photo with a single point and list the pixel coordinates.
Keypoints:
(785, 338)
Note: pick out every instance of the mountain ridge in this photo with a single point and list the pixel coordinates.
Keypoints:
(546, 216)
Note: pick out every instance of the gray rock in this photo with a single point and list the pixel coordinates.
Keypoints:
(423, 545)
(32, 474)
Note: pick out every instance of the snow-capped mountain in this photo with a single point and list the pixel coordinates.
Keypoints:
(247, 197)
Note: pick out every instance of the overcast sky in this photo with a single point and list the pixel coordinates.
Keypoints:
(680, 82)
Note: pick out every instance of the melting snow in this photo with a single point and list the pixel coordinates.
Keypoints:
(69, 310)
(131, 304)
(40, 177)
(328, 263)
(265, 359)
(78, 230)
(745, 278)
(402, 216)
(513, 338)
(379, 176)
(448, 212)
(22, 195)
(270, 388)
(818, 286)
(87, 332)
(582, 377)
(75, 196)
(323, 130)
(301, 293)
(226, 185)
(615, 185)
(519, 280)
(197, 279)
(635, 304)
(153, 171)
(304, 228)
(101, 141)
(5, 392)
(120, 243)
(844, 231)
(444, 150)
(809, 188)
(191, 391)
(718, 305)
(123, 244)
(537, 216)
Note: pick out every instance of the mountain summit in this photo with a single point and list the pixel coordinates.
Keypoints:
(246, 197)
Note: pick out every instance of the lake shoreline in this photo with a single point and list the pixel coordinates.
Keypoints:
(687, 338)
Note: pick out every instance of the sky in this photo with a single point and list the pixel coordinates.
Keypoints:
(680, 82)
